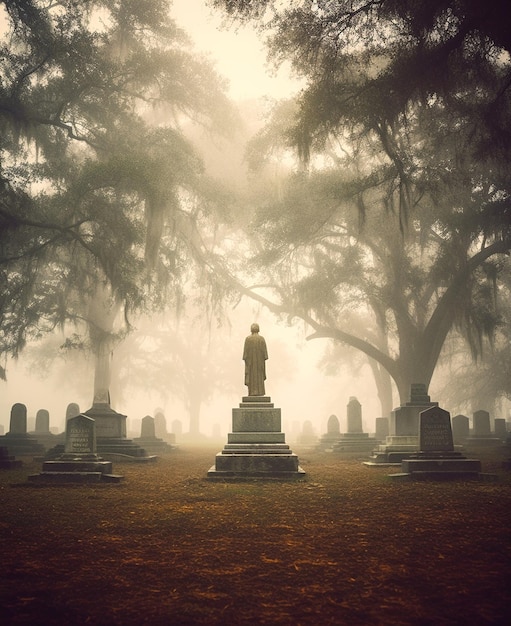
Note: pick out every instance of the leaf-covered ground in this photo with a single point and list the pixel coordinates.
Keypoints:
(167, 546)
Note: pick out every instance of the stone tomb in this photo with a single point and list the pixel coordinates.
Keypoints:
(80, 462)
(8, 461)
(404, 426)
(436, 458)
(111, 435)
(256, 447)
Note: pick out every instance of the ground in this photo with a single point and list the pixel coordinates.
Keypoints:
(167, 546)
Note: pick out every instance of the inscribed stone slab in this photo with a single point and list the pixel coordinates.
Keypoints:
(435, 432)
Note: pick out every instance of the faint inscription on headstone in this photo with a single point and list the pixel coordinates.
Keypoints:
(435, 432)
(18, 423)
(80, 435)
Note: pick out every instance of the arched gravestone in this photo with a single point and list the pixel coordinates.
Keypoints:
(72, 410)
(42, 422)
(333, 426)
(18, 421)
(332, 435)
(17, 441)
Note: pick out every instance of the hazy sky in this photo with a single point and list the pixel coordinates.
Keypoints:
(238, 53)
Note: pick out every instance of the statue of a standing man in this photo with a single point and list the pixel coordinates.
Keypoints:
(255, 355)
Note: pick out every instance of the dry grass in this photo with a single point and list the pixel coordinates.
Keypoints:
(167, 546)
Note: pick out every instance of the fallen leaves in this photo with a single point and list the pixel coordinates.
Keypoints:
(168, 546)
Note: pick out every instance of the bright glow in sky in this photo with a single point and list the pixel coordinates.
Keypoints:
(238, 53)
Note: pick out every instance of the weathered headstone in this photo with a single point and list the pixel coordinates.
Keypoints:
(436, 458)
(500, 428)
(80, 436)
(148, 439)
(381, 425)
(148, 430)
(354, 442)
(42, 422)
(333, 426)
(18, 421)
(354, 416)
(460, 428)
(79, 463)
(308, 436)
(18, 441)
(332, 435)
(481, 420)
(72, 410)
(160, 425)
(435, 431)
(481, 435)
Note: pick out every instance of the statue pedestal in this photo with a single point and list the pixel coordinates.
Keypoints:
(256, 449)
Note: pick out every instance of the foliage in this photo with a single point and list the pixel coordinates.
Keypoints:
(98, 181)
(393, 236)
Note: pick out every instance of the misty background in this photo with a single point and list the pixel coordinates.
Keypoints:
(186, 360)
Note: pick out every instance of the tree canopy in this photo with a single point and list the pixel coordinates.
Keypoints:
(98, 181)
(395, 233)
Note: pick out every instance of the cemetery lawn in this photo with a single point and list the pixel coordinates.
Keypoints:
(345, 546)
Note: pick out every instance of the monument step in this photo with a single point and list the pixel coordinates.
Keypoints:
(250, 463)
(227, 475)
(441, 465)
(257, 438)
(277, 448)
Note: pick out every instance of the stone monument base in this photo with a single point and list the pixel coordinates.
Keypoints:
(8, 461)
(256, 448)
(354, 444)
(440, 466)
(20, 444)
(394, 450)
(72, 469)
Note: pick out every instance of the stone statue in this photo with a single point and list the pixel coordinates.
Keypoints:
(255, 355)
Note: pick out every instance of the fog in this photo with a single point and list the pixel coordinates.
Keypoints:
(295, 382)
(298, 379)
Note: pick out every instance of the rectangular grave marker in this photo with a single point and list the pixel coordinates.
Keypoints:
(80, 435)
(435, 431)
